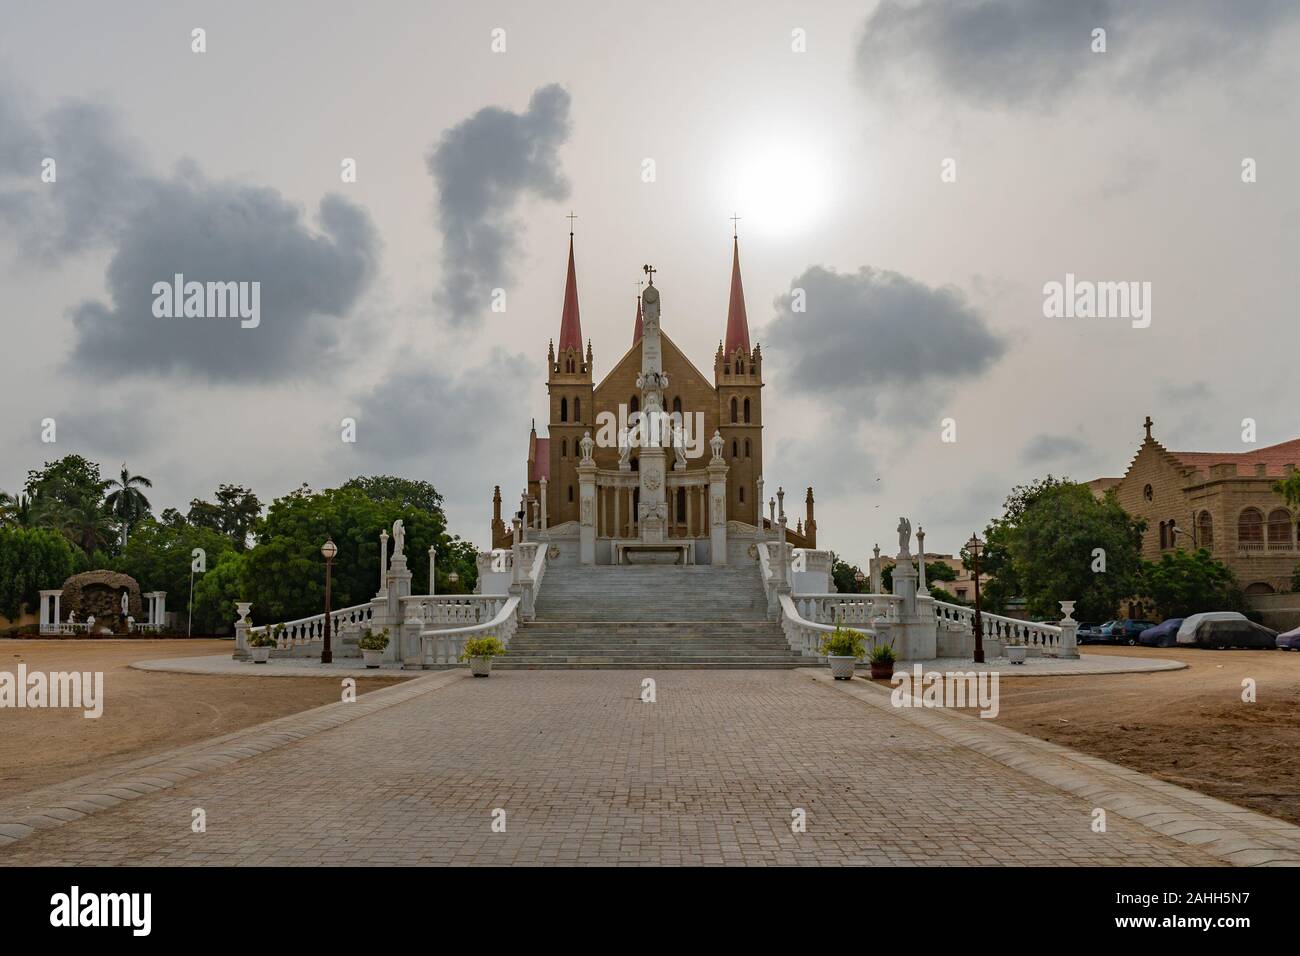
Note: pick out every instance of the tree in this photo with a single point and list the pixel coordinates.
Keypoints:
(1053, 550)
(31, 559)
(217, 591)
(233, 514)
(1182, 583)
(934, 571)
(15, 510)
(286, 574)
(995, 557)
(407, 492)
(125, 501)
(1289, 488)
(845, 576)
(159, 557)
(68, 496)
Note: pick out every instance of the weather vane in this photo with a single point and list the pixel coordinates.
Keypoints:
(650, 271)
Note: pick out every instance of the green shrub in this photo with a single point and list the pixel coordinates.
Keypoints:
(844, 642)
(370, 641)
(262, 638)
(482, 647)
(882, 653)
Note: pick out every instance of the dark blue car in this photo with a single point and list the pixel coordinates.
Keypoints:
(1164, 634)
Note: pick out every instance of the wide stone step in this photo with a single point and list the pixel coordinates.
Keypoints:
(505, 663)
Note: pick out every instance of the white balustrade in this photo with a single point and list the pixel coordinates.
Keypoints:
(1008, 630)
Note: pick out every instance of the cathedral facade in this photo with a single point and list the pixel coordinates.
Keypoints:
(712, 422)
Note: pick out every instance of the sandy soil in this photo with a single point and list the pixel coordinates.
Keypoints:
(1189, 727)
(144, 712)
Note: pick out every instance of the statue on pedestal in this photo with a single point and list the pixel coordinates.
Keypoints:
(399, 538)
(904, 538)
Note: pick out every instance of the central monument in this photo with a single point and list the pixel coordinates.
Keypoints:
(652, 512)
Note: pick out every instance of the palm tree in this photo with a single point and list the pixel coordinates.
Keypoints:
(83, 524)
(126, 502)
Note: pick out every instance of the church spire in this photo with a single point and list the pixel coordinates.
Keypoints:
(737, 323)
(570, 324)
(636, 331)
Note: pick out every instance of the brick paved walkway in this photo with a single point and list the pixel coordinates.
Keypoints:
(587, 773)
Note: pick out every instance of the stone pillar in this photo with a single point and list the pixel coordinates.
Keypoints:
(396, 586)
(383, 562)
(587, 501)
(718, 504)
(875, 570)
(1069, 632)
(58, 611)
(433, 587)
(241, 631)
(162, 607)
(405, 647)
(541, 504)
(758, 507)
(916, 634)
(922, 590)
(525, 555)
(50, 611)
(780, 502)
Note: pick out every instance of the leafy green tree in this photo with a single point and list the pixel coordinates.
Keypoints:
(1052, 548)
(68, 496)
(31, 559)
(126, 502)
(995, 557)
(286, 573)
(159, 557)
(233, 514)
(1289, 488)
(407, 492)
(934, 571)
(1185, 583)
(845, 576)
(217, 591)
(15, 510)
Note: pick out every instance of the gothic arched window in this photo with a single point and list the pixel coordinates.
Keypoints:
(1164, 536)
(564, 448)
(748, 450)
(564, 409)
(577, 410)
(746, 411)
(735, 449)
(570, 494)
(677, 404)
(634, 405)
(733, 411)
(740, 366)
(1279, 530)
(742, 494)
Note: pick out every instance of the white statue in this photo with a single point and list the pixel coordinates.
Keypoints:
(679, 448)
(587, 445)
(399, 538)
(716, 444)
(624, 450)
(126, 604)
(904, 537)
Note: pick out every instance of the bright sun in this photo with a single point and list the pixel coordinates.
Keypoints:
(779, 188)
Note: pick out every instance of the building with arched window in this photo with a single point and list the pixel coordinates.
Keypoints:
(730, 404)
(1221, 501)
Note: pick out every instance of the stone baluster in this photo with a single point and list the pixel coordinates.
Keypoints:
(921, 589)
(432, 579)
(383, 562)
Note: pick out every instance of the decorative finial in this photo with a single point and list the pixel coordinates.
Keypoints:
(734, 219)
(570, 217)
(650, 271)
(1147, 425)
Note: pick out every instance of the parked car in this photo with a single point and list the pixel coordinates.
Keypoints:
(1164, 634)
(1188, 628)
(1241, 633)
(1289, 640)
(1086, 632)
(1123, 632)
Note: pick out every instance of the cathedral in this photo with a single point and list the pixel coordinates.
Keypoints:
(601, 486)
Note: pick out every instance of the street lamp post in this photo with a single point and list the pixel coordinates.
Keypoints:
(974, 545)
(454, 579)
(328, 549)
(860, 578)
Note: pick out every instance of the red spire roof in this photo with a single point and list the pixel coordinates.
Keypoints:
(570, 324)
(737, 323)
(636, 332)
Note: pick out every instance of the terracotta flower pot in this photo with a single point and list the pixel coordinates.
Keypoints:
(882, 671)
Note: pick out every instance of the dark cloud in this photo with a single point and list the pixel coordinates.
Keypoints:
(1053, 448)
(484, 166)
(873, 333)
(160, 226)
(1014, 52)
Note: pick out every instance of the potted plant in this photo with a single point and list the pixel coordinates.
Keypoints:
(882, 659)
(842, 649)
(260, 644)
(373, 646)
(1016, 653)
(479, 652)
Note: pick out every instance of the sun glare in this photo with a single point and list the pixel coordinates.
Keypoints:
(780, 188)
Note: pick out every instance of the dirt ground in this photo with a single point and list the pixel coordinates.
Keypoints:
(1189, 727)
(144, 712)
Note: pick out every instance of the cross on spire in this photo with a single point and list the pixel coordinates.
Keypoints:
(570, 217)
(734, 219)
(1147, 425)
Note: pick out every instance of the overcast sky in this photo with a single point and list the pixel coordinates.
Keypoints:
(924, 297)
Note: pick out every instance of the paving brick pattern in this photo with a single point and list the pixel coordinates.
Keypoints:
(588, 774)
